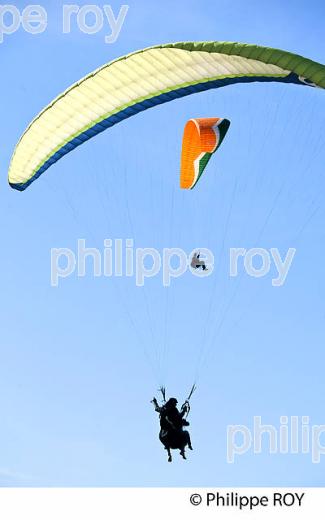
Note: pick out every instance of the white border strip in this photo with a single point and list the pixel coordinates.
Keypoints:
(160, 503)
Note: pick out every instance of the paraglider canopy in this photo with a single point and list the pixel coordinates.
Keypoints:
(145, 79)
(202, 137)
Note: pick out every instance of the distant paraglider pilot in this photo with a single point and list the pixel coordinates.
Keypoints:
(172, 422)
(196, 263)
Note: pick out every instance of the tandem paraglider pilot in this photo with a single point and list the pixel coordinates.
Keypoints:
(172, 421)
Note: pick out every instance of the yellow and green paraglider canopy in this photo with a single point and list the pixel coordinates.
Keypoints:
(141, 80)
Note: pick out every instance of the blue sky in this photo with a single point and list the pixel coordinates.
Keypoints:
(75, 383)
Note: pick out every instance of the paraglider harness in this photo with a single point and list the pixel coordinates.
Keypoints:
(186, 403)
(172, 435)
(197, 263)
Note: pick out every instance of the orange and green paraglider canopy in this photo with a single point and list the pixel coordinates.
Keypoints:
(202, 137)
